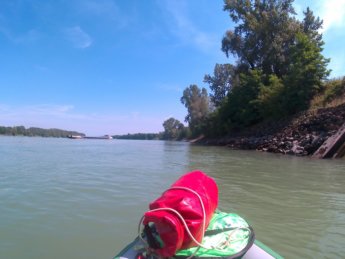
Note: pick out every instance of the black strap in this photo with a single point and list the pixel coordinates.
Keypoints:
(151, 240)
(212, 232)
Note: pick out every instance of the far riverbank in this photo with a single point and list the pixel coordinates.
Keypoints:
(300, 135)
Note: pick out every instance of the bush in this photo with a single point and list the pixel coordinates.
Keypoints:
(334, 89)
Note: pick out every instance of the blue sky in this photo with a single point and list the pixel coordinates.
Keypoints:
(117, 66)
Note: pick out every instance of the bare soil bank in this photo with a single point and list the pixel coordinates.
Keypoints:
(300, 135)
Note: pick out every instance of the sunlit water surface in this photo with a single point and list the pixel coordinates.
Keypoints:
(62, 198)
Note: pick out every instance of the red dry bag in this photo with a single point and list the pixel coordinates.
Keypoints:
(189, 203)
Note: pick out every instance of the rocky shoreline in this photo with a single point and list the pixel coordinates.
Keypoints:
(300, 135)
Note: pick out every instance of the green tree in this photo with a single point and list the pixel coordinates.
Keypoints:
(282, 54)
(173, 129)
(271, 97)
(311, 26)
(306, 72)
(196, 101)
(241, 108)
(265, 29)
(220, 83)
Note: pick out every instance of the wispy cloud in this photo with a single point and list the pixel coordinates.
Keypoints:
(169, 87)
(10, 113)
(106, 9)
(78, 37)
(337, 63)
(183, 27)
(49, 109)
(333, 14)
(100, 7)
(27, 37)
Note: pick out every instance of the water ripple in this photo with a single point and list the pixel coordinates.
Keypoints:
(83, 199)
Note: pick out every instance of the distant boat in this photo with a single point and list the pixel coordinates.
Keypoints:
(85, 137)
(101, 137)
(75, 136)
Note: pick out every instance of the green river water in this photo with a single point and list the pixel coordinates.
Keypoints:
(63, 198)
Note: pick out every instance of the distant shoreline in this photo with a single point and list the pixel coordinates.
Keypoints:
(37, 132)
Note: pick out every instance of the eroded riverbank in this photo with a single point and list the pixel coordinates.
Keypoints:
(300, 135)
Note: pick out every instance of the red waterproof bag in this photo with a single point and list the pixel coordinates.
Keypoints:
(193, 196)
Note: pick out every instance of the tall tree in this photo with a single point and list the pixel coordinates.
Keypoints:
(197, 103)
(264, 31)
(173, 129)
(241, 108)
(311, 27)
(221, 82)
(307, 70)
(287, 53)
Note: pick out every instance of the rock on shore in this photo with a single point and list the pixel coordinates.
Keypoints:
(301, 135)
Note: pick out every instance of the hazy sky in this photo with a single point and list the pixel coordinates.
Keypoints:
(119, 66)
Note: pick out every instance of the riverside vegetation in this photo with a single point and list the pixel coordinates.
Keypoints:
(34, 131)
(268, 99)
(277, 97)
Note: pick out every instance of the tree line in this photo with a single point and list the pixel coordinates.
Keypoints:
(278, 71)
(173, 130)
(139, 136)
(34, 131)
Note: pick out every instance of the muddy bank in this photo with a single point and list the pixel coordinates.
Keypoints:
(300, 135)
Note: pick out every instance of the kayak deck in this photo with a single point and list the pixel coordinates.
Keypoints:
(257, 251)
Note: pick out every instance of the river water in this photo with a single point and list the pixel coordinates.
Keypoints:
(63, 198)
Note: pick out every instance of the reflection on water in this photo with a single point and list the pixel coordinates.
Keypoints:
(64, 198)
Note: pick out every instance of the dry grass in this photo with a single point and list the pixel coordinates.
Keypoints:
(317, 102)
(336, 102)
(333, 95)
